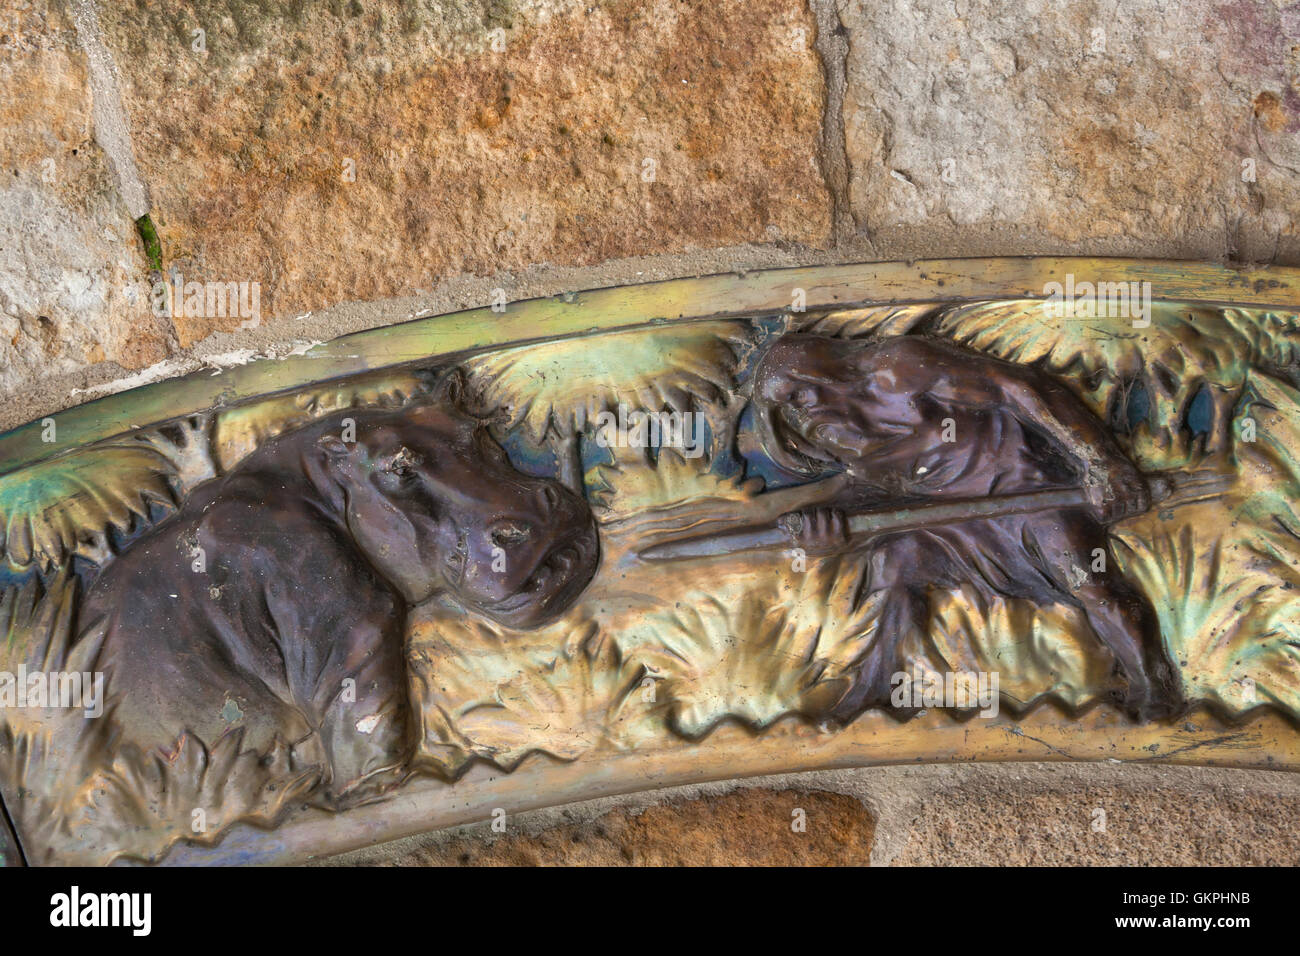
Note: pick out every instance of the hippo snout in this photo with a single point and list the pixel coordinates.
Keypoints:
(528, 563)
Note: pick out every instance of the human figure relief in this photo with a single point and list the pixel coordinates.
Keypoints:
(911, 419)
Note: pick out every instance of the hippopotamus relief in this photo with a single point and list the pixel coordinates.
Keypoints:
(276, 599)
(910, 419)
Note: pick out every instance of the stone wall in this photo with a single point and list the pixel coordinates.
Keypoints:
(360, 162)
(1031, 814)
(365, 160)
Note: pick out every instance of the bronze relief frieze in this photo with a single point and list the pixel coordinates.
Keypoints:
(475, 564)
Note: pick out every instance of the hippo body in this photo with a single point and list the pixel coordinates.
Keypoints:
(275, 600)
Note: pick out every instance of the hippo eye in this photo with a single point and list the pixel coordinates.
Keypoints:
(403, 464)
(507, 534)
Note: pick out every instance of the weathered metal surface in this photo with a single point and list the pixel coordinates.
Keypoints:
(644, 536)
(10, 852)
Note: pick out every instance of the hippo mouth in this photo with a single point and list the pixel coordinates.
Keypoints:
(558, 577)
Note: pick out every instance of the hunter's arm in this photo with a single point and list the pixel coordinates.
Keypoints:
(953, 375)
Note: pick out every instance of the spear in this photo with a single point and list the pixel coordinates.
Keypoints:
(1168, 488)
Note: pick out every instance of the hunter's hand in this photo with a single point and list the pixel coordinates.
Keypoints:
(1117, 491)
(818, 532)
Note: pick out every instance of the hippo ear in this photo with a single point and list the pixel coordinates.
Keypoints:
(333, 446)
(323, 469)
(451, 388)
(446, 404)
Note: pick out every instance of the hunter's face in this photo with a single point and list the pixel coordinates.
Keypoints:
(803, 392)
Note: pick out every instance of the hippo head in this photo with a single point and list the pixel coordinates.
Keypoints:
(436, 506)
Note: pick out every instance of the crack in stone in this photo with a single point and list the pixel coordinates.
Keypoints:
(833, 50)
(113, 134)
(112, 131)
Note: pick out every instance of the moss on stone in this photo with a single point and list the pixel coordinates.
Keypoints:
(152, 246)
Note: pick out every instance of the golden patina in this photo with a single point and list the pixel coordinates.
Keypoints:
(689, 669)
